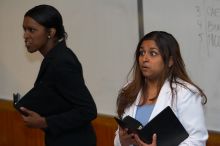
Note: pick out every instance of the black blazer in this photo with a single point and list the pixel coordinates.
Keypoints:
(60, 95)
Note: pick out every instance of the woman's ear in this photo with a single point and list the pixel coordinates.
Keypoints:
(170, 61)
(52, 32)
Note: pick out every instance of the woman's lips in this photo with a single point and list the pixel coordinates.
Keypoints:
(145, 67)
(27, 43)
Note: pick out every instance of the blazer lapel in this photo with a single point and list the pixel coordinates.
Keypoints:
(41, 72)
(163, 100)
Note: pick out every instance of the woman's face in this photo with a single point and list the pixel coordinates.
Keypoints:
(150, 60)
(35, 35)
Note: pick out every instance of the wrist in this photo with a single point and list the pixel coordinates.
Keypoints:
(124, 144)
(43, 122)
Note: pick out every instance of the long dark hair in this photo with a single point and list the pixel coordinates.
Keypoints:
(168, 47)
(49, 17)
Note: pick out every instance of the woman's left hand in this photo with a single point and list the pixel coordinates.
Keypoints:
(33, 119)
(141, 143)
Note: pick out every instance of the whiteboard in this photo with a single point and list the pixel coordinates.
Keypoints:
(196, 26)
(104, 34)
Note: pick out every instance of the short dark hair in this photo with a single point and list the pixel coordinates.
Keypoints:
(49, 17)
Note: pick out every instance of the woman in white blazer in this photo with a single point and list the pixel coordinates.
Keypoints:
(160, 80)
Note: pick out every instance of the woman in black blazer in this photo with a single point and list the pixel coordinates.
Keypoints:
(59, 103)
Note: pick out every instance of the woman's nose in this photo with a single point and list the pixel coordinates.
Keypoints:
(25, 35)
(145, 57)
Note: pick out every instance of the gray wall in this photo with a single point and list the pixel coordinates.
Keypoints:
(196, 25)
(104, 34)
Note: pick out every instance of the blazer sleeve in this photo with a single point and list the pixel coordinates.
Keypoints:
(68, 83)
(116, 139)
(190, 113)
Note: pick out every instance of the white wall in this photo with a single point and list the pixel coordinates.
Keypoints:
(192, 22)
(104, 35)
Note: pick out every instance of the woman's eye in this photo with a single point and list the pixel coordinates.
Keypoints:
(141, 53)
(153, 53)
(32, 30)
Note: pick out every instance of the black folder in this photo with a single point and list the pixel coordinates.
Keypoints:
(169, 130)
(50, 103)
(16, 99)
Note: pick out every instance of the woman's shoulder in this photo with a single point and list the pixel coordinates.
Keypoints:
(64, 58)
(185, 90)
(184, 85)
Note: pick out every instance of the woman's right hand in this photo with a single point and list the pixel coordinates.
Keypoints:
(141, 143)
(125, 138)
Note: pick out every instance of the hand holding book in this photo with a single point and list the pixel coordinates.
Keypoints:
(16, 99)
(166, 125)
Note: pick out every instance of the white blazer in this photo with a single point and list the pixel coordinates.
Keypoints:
(187, 107)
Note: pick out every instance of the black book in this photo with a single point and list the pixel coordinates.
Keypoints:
(169, 130)
(16, 99)
(43, 100)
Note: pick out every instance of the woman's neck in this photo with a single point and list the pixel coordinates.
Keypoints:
(50, 45)
(151, 92)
